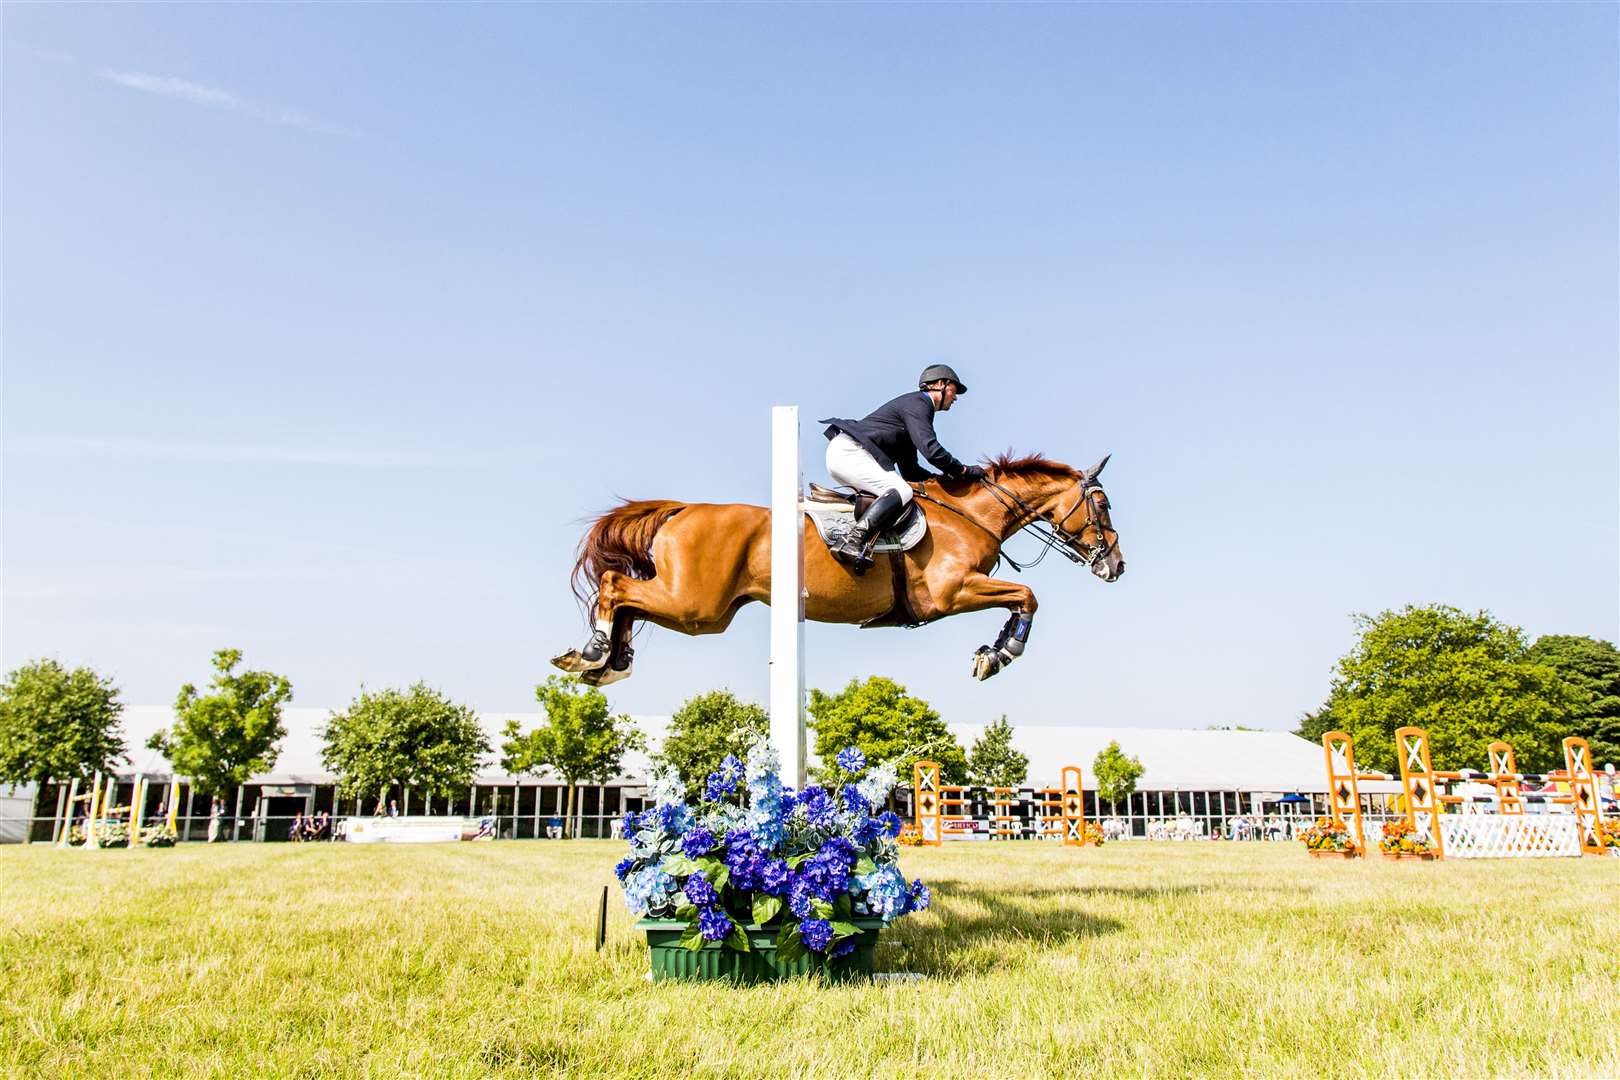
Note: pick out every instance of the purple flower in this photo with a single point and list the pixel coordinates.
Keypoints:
(850, 759)
(697, 843)
(700, 892)
(816, 934)
(622, 870)
(714, 924)
(920, 896)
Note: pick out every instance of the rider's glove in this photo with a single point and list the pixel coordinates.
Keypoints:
(972, 472)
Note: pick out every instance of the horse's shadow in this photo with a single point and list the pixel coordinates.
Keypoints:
(977, 929)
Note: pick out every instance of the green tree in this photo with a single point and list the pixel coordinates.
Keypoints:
(707, 728)
(993, 762)
(221, 738)
(417, 738)
(885, 722)
(57, 724)
(1116, 773)
(579, 739)
(1592, 666)
(1314, 725)
(1465, 678)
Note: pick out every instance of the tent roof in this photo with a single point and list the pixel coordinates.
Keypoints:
(1186, 760)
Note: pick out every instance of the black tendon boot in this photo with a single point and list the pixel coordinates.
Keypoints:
(855, 551)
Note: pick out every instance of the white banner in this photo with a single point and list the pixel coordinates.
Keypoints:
(417, 830)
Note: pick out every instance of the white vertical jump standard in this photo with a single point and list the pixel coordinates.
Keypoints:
(787, 594)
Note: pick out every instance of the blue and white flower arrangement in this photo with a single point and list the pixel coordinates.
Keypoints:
(752, 851)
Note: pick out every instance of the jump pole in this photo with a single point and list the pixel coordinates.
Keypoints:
(787, 594)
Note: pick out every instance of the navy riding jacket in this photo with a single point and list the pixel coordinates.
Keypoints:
(896, 432)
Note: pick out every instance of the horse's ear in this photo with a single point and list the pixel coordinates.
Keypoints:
(1097, 468)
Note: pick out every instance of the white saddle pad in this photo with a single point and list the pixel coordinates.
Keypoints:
(834, 520)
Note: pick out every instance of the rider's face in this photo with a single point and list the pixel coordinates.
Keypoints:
(946, 398)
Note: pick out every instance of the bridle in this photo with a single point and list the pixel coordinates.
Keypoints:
(1049, 530)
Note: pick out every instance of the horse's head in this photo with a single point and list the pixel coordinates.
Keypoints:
(1080, 514)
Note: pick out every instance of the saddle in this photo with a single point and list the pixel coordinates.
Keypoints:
(835, 511)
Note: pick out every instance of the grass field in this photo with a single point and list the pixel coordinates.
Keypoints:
(478, 959)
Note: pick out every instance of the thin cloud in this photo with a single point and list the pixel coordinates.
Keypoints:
(212, 97)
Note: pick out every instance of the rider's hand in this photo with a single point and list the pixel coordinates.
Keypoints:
(973, 472)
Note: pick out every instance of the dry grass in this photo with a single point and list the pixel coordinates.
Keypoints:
(478, 959)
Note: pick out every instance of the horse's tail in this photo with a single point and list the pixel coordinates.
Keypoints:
(620, 540)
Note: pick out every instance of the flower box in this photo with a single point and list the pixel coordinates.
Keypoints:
(1421, 855)
(1329, 853)
(672, 960)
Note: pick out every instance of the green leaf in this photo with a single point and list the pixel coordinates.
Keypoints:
(710, 866)
(821, 908)
(796, 861)
(720, 878)
(864, 865)
(766, 908)
(793, 950)
(845, 929)
(842, 908)
(788, 934)
(738, 939)
(679, 866)
(692, 939)
(687, 914)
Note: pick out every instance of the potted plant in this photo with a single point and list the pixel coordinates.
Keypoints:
(1401, 841)
(756, 883)
(1329, 839)
(1091, 835)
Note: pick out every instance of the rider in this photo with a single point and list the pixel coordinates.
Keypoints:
(879, 455)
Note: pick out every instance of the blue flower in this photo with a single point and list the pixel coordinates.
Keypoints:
(648, 889)
(624, 867)
(854, 801)
(867, 829)
(843, 948)
(630, 824)
(700, 892)
(714, 924)
(719, 786)
(730, 766)
(816, 934)
(920, 896)
(697, 843)
(799, 897)
(776, 877)
(890, 822)
(818, 807)
(886, 892)
(850, 759)
(672, 817)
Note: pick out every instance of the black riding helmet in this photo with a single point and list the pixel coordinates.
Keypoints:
(936, 372)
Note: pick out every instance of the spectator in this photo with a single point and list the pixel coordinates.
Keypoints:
(393, 808)
(216, 809)
(554, 827)
(296, 833)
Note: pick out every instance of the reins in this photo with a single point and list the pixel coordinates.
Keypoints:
(1051, 535)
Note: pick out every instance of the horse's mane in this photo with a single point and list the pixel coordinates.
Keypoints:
(1031, 466)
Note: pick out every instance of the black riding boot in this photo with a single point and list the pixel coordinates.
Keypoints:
(855, 551)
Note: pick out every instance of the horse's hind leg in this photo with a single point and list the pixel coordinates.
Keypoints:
(631, 600)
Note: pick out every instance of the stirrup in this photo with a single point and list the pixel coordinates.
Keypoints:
(855, 556)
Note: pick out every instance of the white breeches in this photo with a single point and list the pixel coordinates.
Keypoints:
(849, 463)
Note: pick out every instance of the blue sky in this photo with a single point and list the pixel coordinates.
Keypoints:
(326, 327)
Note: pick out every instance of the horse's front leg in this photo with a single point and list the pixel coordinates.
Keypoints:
(979, 592)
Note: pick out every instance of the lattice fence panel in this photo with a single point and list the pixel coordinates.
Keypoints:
(1510, 836)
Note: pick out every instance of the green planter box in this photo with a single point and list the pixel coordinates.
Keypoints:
(672, 960)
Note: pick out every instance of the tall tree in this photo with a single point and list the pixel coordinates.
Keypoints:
(1467, 679)
(1593, 667)
(418, 738)
(221, 738)
(993, 762)
(1116, 773)
(885, 722)
(579, 739)
(57, 724)
(707, 728)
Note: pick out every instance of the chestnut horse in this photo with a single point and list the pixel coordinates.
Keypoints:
(691, 566)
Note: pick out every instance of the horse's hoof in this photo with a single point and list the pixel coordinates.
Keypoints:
(606, 676)
(575, 664)
(986, 662)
